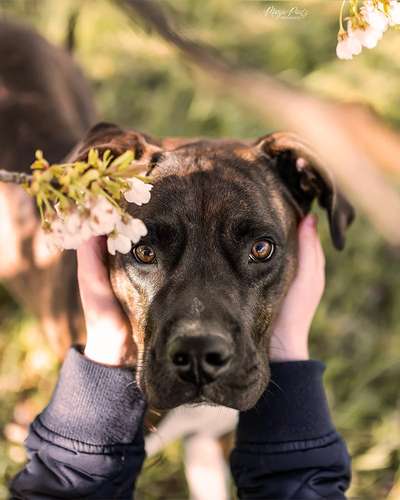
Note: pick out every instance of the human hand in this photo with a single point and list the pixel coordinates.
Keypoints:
(289, 339)
(109, 336)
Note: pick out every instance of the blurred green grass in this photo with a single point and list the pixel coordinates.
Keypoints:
(140, 82)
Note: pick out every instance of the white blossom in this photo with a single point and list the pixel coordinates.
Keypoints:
(374, 16)
(117, 242)
(138, 192)
(57, 227)
(348, 45)
(368, 36)
(54, 240)
(86, 229)
(58, 236)
(72, 241)
(97, 216)
(367, 27)
(132, 228)
(394, 15)
(71, 229)
(72, 222)
(103, 216)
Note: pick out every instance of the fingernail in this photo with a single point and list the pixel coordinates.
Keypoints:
(311, 220)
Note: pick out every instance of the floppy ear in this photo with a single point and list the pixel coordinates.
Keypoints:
(105, 136)
(301, 171)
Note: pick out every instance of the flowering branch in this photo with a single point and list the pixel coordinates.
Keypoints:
(86, 198)
(365, 25)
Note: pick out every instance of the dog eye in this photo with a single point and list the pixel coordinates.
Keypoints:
(261, 251)
(144, 254)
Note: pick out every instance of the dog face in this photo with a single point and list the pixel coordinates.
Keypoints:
(203, 287)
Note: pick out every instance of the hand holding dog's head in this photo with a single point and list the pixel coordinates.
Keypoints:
(202, 288)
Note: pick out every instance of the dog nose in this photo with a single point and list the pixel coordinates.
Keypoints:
(199, 359)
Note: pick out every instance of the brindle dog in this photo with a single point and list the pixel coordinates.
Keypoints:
(203, 287)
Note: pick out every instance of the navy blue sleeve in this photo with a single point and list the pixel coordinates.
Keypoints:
(88, 442)
(287, 446)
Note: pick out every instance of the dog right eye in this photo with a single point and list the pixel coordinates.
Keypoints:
(261, 251)
(144, 254)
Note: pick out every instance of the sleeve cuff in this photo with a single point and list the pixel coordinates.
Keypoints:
(93, 404)
(293, 407)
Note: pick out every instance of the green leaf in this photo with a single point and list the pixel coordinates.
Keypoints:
(93, 157)
(122, 161)
(90, 176)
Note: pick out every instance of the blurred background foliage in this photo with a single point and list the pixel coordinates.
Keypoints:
(140, 82)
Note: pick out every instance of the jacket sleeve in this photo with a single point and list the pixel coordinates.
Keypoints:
(286, 446)
(88, 442)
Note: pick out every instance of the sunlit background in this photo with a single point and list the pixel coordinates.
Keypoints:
(139, 81)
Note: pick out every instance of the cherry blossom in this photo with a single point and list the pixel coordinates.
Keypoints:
(117, 242)
(374, 15)
(103, 216)
(394, 16)
(367, 36)
(83, 199)
(348, 46)
(68, 230)
(366, 25)
(139, 192)
(134, 229)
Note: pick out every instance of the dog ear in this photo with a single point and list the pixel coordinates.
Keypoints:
(105, 136)
(303, 174)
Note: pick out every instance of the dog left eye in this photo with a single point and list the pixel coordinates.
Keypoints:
(144, 254)
(261, 251)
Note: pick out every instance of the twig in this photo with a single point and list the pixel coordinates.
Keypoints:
(15, 177)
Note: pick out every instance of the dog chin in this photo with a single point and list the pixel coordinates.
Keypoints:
(209, 395)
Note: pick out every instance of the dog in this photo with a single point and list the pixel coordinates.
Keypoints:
(203, 288)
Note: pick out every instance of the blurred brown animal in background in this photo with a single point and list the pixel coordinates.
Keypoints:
(45, 103)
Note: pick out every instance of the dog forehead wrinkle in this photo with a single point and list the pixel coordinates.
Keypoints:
(200, 156)
(272, 208)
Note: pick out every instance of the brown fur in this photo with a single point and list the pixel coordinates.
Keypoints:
(45, 103)
(287, 194)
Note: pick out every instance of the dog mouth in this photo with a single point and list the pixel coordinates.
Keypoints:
(241, 391)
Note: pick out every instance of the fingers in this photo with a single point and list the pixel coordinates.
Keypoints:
(292, 326)
(91, 257)
(92, 270)
(307, 237)
(105, 319)
(94, 283)
(311, 262)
